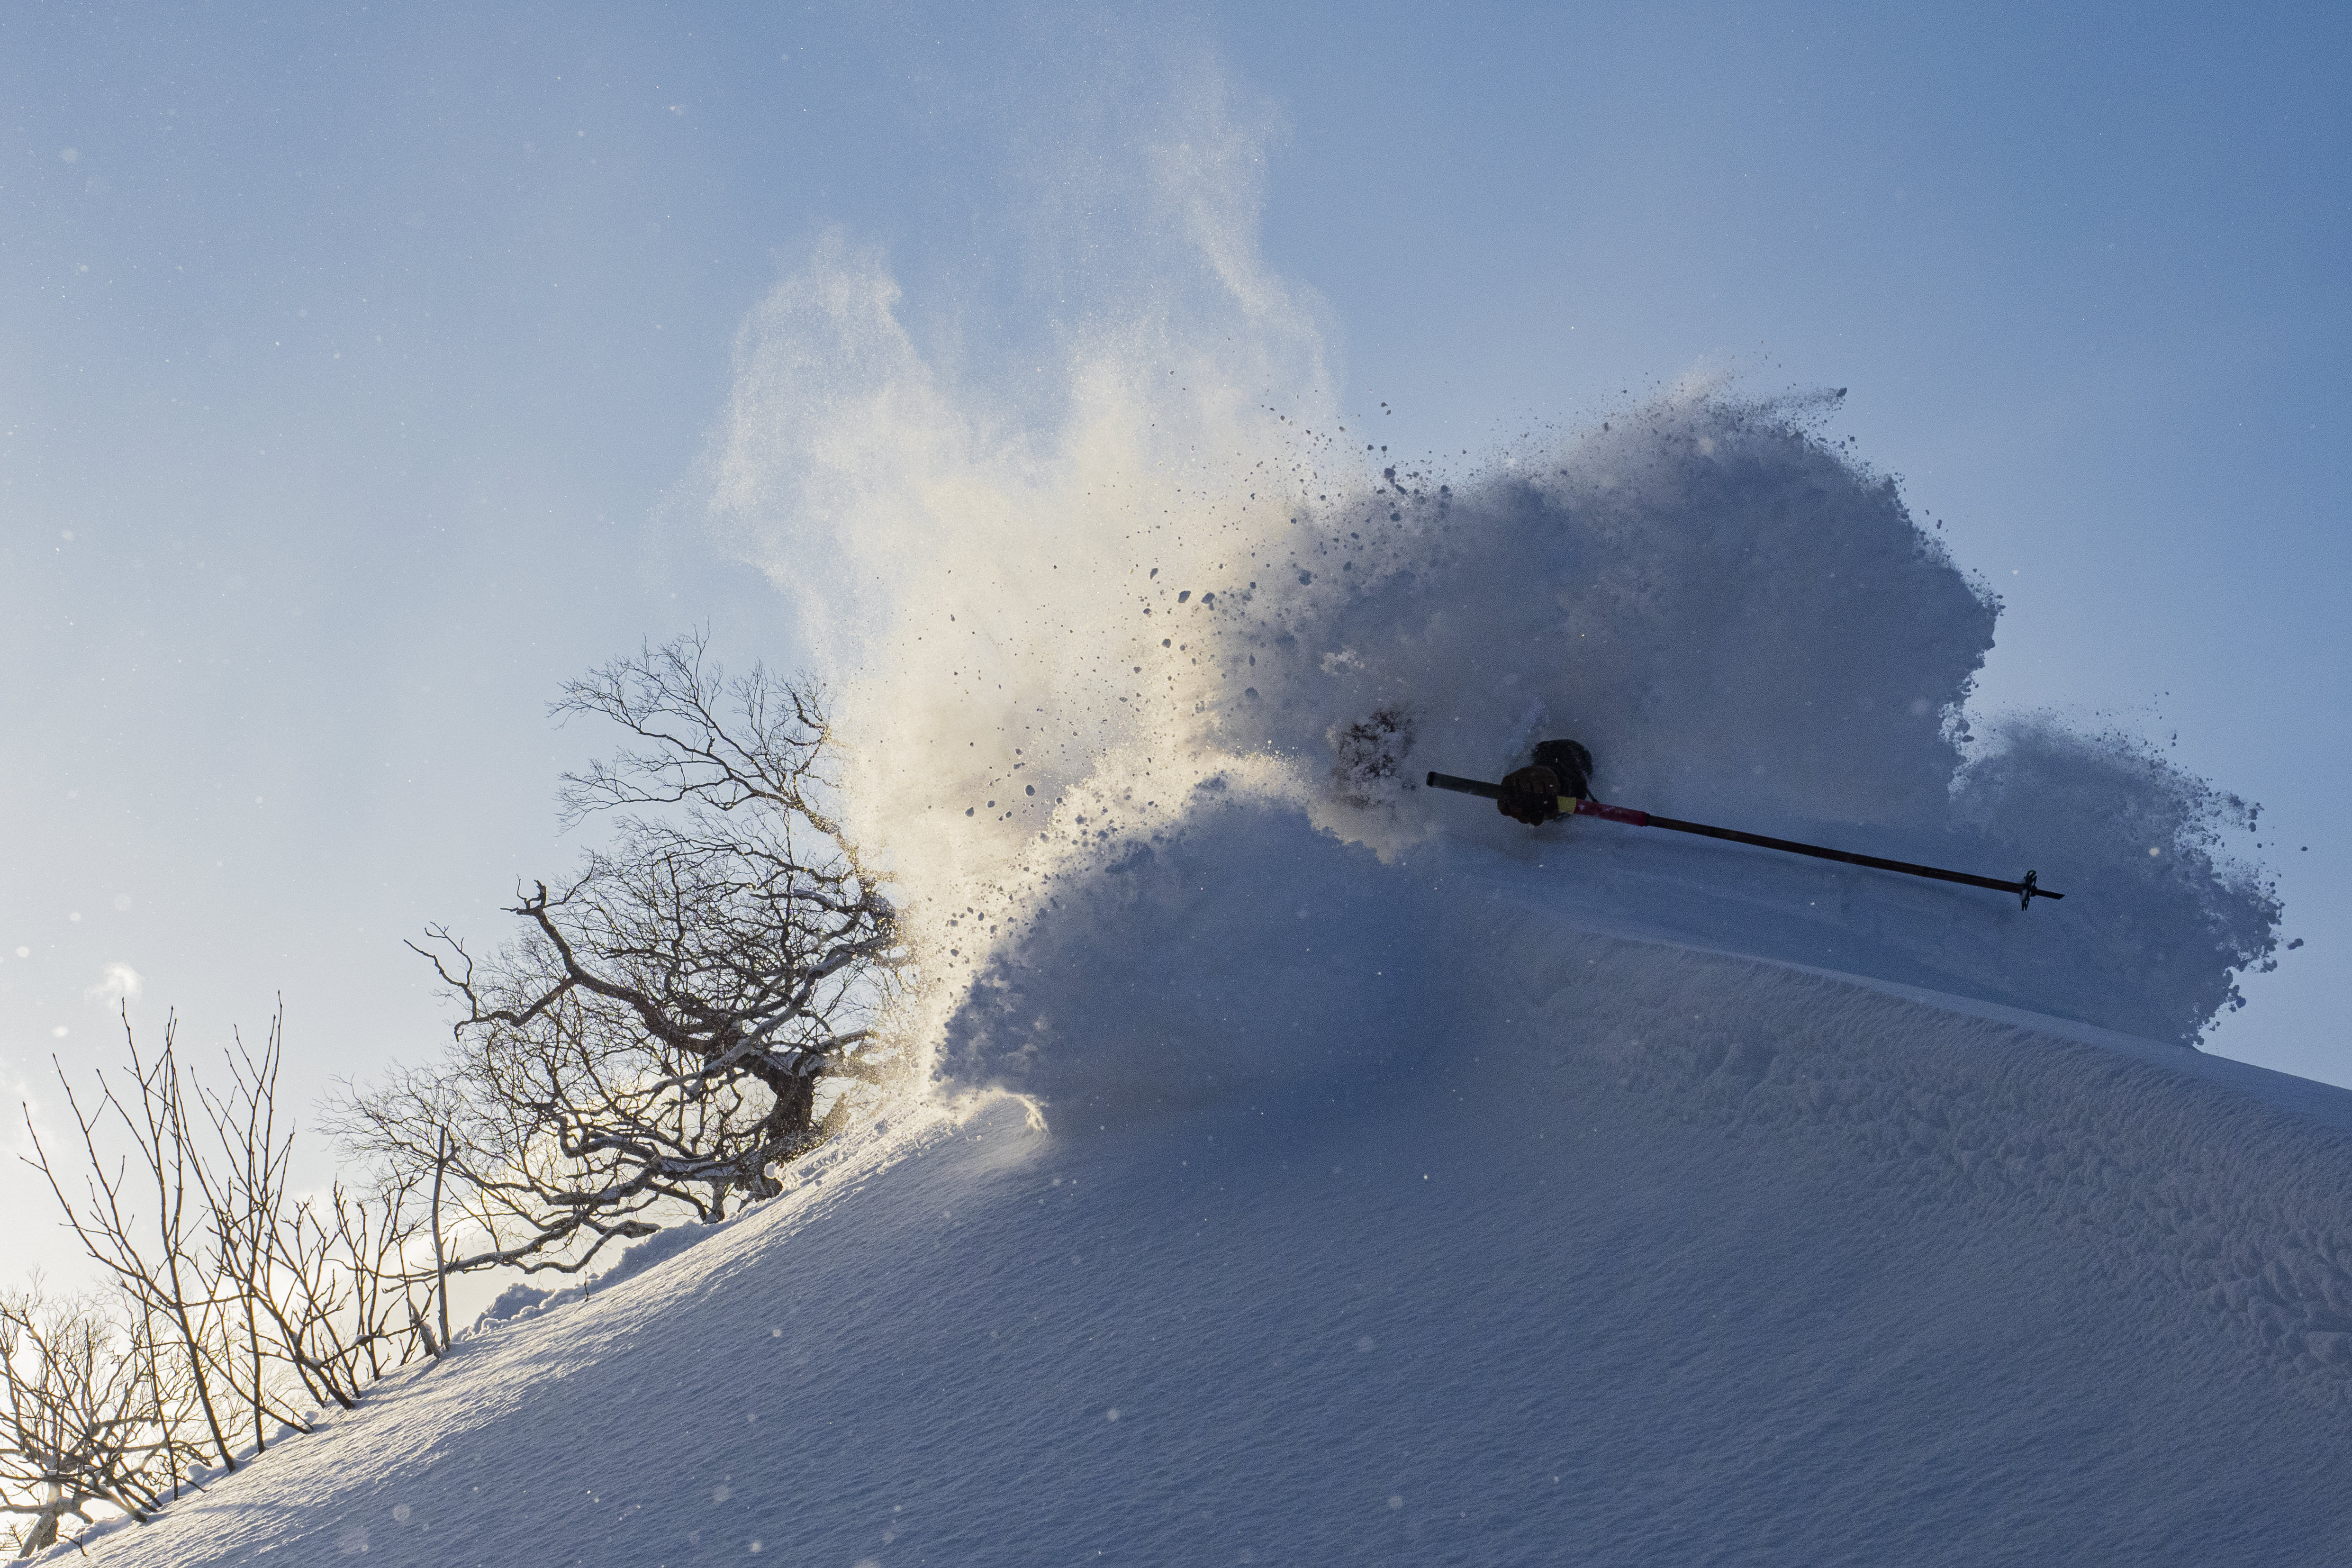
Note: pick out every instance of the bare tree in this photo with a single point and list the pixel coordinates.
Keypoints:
(341, 1297)
(313, 1282)
(91, 1415)
(660, 1036)
(245, 1200)
(245, 1298)
(164, 1273)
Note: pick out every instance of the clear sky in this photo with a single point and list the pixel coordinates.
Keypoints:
(348, 353)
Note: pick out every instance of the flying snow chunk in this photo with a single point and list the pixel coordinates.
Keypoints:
(119, 982)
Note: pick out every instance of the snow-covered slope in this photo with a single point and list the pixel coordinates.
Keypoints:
(1314, 1169)
(1647, 1254)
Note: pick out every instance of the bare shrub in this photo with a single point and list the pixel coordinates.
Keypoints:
(246, 1303)
(94, 1415)
(679, 1019)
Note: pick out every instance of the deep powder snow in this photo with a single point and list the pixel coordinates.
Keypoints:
(1052, 646)
(1648, 1255)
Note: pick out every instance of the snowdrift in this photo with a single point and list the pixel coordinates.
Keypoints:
(1630, 1253)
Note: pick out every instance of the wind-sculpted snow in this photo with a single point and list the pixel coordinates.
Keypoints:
(1629, 1254)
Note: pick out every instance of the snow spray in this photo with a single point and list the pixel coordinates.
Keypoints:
(1090, 669)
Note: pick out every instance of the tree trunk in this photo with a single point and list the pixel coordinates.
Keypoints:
(440, 1265)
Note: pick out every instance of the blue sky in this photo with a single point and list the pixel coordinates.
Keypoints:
(346, 356)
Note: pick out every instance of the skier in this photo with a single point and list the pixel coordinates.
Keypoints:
(1532, 794)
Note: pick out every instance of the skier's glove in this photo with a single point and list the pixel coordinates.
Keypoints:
(1530, 796)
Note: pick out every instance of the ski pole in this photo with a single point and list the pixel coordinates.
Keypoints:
(1573, 805)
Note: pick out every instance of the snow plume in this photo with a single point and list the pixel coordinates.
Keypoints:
(1136, 702)
(1027, 627)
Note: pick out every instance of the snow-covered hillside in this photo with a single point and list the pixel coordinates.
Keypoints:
(1645, 1255)
(1312, 1168)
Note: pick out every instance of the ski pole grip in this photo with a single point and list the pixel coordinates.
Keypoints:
(1465, 787)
